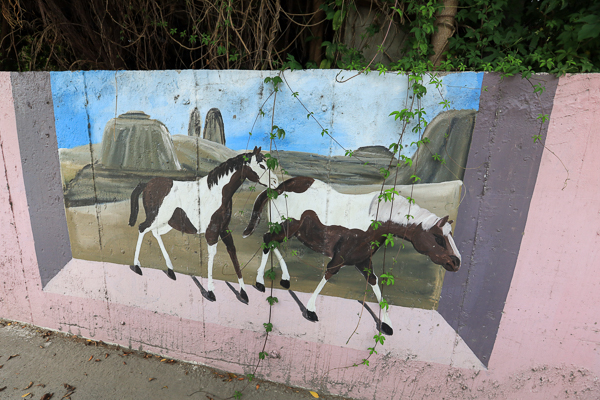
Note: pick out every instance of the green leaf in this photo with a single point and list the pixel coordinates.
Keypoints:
(591, 29)
(385, 172)
(325, 64)
(379, 338)
(387, 278)
(337, 20)
(384, 305)
(389, 240)
(275, 228)
(292, 64)
(270, 273)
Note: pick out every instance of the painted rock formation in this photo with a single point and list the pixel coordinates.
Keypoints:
(200, 155)
(195, 126)
(450, 137)
(214, 129)
(133, 141)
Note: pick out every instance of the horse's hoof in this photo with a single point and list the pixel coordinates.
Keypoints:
(136, 269)
(170, 274)
(260, 287)
(285, 283)
(210, 296)
(243, 297)
(310, 315)
(385, 328)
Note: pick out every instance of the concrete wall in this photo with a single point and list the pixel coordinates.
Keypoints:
(516, 321)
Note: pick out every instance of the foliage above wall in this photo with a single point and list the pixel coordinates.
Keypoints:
(510, 36)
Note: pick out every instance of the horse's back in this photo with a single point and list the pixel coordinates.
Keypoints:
(332, 207)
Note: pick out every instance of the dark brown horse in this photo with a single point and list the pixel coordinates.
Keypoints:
(199, 206)
(347, 244)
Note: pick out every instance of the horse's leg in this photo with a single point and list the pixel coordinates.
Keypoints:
(212, 251)
(136, 258)
(228, 240)
(386, 322)
(333, 267)
(260, 274)
(285, 275)
(366, 268)
(161, 231)
(289, 229)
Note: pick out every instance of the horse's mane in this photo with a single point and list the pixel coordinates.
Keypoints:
(400, 208)
(233, 164)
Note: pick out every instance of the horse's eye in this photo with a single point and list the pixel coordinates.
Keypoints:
(262, 166)
(440, 240)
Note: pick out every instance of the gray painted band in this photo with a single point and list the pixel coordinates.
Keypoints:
(499, 181)
(41, 170)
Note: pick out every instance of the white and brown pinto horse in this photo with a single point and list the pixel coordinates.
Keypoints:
(341, 227)
(199, 206)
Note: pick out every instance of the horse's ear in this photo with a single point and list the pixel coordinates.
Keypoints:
(254, 150)
(442, 221)
(450, 221)
(257, 149)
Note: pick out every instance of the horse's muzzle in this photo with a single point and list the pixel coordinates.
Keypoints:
(453, 265)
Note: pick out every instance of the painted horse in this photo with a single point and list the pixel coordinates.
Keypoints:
(199, 206)
(340, 226)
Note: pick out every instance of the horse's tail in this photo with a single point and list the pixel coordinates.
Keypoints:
(135, 207)
(259, 204)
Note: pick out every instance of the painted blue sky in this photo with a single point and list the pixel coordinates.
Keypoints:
(356, 113)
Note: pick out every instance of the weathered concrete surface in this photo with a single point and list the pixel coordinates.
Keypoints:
(14, 282)
(44, 361)
(551, 314)
(546, 346)
(41, 170)
(499, 181)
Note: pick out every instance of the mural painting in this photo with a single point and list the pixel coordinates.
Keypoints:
(190, 165)
(102, 179)
(73, 229)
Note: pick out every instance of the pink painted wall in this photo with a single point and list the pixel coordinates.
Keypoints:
(551, 314)
(547, 341)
